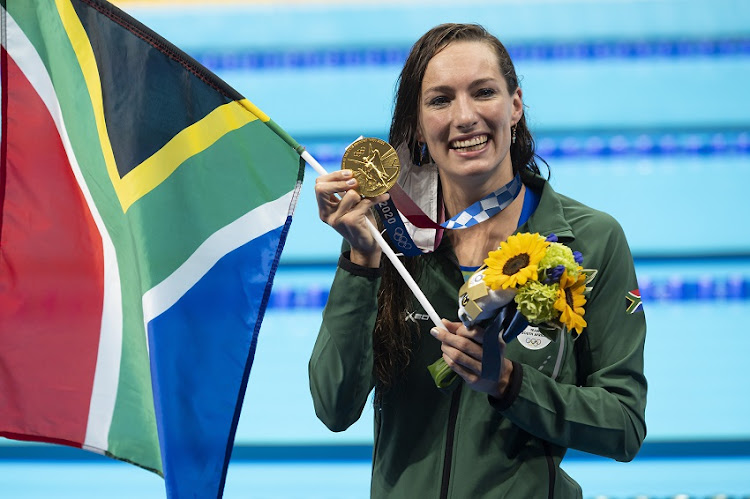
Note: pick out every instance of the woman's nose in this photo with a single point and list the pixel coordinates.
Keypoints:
(465, 114)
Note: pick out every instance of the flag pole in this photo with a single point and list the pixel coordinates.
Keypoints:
(413, 286)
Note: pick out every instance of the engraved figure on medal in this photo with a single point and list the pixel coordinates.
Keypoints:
(374, 163)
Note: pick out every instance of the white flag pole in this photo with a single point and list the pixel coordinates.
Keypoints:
(389, 253)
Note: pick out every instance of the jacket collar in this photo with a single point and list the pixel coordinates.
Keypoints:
(548, 218)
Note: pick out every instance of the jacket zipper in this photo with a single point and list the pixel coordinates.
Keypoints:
(550, 470)
(455, 398)
(452, 417)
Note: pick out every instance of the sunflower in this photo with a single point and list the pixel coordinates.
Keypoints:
(515, 261)
(570, 301)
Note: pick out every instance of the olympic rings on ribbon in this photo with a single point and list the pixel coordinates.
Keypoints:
(400, 238)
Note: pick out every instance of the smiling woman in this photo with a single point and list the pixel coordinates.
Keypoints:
(466, 113)
(459, 126)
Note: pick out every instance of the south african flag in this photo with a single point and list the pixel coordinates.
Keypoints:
(144, 205)
(633, 302)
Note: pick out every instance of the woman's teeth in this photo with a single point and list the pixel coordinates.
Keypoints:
(473, 144)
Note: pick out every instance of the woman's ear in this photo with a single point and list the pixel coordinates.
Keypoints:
(517, 104)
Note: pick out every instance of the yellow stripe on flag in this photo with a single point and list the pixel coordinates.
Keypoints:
(85, 55)
(189, 142)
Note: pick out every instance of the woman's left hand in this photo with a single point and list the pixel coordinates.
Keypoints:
(462, 351)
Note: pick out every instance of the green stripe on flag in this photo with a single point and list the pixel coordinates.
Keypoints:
(172, 235)
(133, 435)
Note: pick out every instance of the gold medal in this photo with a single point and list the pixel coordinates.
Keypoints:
(374, 163)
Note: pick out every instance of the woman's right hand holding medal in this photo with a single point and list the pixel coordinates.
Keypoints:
(342, 207)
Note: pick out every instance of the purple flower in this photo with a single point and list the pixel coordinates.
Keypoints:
(554, 274)
(578, 257)
(551, 238)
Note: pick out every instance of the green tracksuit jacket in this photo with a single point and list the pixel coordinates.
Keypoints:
(461, 444)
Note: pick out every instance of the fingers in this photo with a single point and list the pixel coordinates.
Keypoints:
(475, 334)
(461, 350)
(353, 208)
(337, 196)
(469, 375)
(327, 187)
(349, 201)
(342, 207)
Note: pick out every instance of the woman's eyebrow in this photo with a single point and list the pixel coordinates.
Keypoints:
(439, 89)
(449, 88)
(482, 81)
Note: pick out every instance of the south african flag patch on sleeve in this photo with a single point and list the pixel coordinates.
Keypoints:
(633, 301)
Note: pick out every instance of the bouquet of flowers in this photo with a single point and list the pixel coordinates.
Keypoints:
(529, 279)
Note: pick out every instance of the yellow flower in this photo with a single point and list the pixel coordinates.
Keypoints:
(515, 261)
(570, 301)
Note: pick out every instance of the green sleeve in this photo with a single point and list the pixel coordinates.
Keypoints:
(606, 415)
(340, 368)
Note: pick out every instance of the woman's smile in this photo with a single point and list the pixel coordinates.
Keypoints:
(469, 145)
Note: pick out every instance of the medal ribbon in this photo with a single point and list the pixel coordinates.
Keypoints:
(396, 228)
(482, 210)
(490, 205)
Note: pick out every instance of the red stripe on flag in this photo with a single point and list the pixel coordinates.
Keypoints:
(51, 278)
(4, 131)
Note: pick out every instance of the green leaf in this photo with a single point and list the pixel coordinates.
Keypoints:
(441, 373)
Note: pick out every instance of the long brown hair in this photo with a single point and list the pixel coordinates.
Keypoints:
(393, 337)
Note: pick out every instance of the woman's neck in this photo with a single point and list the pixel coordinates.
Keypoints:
(459, 194)
(472, 244)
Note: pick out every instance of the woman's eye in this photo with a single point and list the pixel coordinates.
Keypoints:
(438, 101)
(486, 92)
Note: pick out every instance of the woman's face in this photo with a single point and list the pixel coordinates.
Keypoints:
(465, 114)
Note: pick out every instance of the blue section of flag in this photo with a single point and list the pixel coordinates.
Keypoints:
(201, 351)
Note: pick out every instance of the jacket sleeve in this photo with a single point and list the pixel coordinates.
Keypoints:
(340, 368)
(606, 415)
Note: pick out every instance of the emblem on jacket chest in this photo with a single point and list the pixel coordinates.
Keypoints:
(533, 339)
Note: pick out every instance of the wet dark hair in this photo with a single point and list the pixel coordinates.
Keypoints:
(393, 335)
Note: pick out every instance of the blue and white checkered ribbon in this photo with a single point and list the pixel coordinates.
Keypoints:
(490, 205)
(480, 211)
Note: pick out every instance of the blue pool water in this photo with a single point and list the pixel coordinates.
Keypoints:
(696, 478)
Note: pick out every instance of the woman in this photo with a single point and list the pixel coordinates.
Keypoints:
(459, 111)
